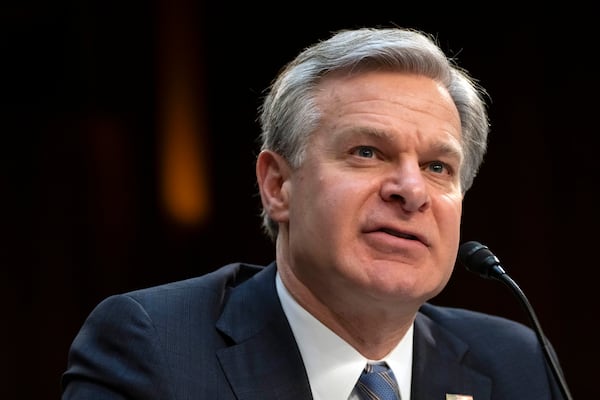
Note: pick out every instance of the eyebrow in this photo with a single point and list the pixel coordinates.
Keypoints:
(447, 148)
(369, 131)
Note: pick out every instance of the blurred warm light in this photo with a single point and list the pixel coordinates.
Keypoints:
(184, 178)
(182, 139)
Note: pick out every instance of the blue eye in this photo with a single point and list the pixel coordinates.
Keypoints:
(364, 151)
(437, 167)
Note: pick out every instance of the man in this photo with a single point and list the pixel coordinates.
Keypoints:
(370, 140)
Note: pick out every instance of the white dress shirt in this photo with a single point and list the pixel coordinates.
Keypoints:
(332, 365)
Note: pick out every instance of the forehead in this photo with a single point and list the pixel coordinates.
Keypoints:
(388, 99)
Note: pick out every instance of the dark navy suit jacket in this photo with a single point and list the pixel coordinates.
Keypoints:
(224, 335)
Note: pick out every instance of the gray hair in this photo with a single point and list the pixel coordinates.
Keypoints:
(289, 113)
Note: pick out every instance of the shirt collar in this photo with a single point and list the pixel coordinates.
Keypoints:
(332, 365)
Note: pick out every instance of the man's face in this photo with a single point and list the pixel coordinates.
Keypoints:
(374, 211)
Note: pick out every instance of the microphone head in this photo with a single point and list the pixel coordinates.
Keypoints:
(479, 259)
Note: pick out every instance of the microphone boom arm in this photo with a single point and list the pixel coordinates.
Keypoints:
(479, 259)
(508, 281)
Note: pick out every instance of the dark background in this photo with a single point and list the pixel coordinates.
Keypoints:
(81, 158)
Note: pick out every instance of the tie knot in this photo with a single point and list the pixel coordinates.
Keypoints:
(377, 382)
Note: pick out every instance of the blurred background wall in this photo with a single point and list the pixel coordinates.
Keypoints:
(128, 158)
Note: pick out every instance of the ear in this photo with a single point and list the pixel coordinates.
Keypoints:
(272, 174)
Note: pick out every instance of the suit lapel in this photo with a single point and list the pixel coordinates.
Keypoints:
(437, 365)
(264, 361)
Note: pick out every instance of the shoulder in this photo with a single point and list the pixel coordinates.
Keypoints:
(463, 321)
(508, 352)
(227, 276)
(484, 333)
(193, 295)
(460, 317)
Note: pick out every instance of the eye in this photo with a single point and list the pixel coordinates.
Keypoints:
(364, 151)
(438, 167)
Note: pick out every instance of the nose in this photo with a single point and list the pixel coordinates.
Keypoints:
(408, 186)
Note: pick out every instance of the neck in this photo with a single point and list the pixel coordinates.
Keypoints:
(372, 329)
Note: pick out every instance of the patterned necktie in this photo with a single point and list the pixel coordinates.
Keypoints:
(377, 382)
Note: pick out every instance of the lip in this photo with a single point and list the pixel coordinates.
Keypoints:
(401, 234)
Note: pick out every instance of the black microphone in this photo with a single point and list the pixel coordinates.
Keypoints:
(479, 259)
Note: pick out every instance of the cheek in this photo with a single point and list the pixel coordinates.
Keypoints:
(451, 231)
(455, 213)
(342, 201)
(326, 188)
(448, 214)
(327, 202)
(451, 206)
